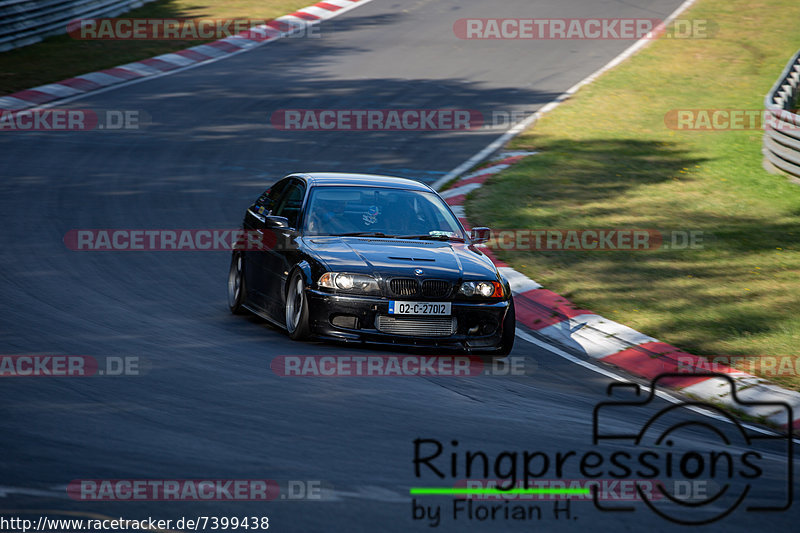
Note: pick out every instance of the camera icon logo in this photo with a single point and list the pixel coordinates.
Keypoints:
(698, 445)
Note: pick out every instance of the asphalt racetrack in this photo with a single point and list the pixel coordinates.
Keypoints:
(208, 405)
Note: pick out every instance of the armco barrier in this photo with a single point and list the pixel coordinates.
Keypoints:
(782, 129)
(23, 22)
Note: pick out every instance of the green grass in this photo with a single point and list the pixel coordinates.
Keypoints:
(608, 161)
(60, 57)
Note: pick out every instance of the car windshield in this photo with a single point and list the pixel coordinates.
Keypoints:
(379, 211)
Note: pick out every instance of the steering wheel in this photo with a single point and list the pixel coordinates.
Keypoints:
(328, 222)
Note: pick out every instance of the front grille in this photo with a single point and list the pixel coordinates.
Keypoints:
(425, 326)
(345, 321)
(404, 286)
(435, 288)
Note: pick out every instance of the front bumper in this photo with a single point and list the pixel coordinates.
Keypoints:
(479, 325)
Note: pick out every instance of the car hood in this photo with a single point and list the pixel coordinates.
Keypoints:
(394, 257)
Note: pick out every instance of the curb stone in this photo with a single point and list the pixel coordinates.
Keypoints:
(558, 320)
(156, 66)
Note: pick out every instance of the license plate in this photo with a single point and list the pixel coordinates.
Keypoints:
(419, 308)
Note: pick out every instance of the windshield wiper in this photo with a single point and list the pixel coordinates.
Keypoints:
(425, 236)
(364, 234)
(430, 237)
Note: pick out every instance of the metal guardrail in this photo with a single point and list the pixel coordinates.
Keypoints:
(24, 22)
(782, 123)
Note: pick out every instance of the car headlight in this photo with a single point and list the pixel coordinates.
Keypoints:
(481, 289)
(353, 283)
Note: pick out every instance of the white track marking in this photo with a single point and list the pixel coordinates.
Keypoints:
(519, 282)
(523, 124)
(616, 377)
(333, 14)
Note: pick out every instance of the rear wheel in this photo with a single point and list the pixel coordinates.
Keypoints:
(236, 287)
(297, 308)
(509, 332)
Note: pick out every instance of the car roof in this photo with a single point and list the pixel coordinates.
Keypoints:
(323, 179)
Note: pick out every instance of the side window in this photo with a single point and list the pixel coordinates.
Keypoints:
(291, 202)
(267, 202)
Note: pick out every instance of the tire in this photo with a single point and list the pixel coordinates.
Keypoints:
(509, 332)
(237, 292)
(297, 308)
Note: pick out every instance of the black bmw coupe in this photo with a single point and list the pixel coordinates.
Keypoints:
(365, 258)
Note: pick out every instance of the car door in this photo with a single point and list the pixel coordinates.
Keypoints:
(256, 277)
(278, 261)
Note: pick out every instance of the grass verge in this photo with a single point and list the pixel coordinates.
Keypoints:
(60, 57)
(608, 160)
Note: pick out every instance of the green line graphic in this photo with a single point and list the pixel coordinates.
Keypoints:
(450, 491)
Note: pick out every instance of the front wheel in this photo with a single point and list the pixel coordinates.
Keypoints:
(297, 308)
(236, 287)
(509, 332)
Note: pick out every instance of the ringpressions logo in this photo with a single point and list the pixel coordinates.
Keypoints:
(689, 462)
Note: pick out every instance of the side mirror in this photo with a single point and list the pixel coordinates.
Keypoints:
(480, 235)
(276, 222)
